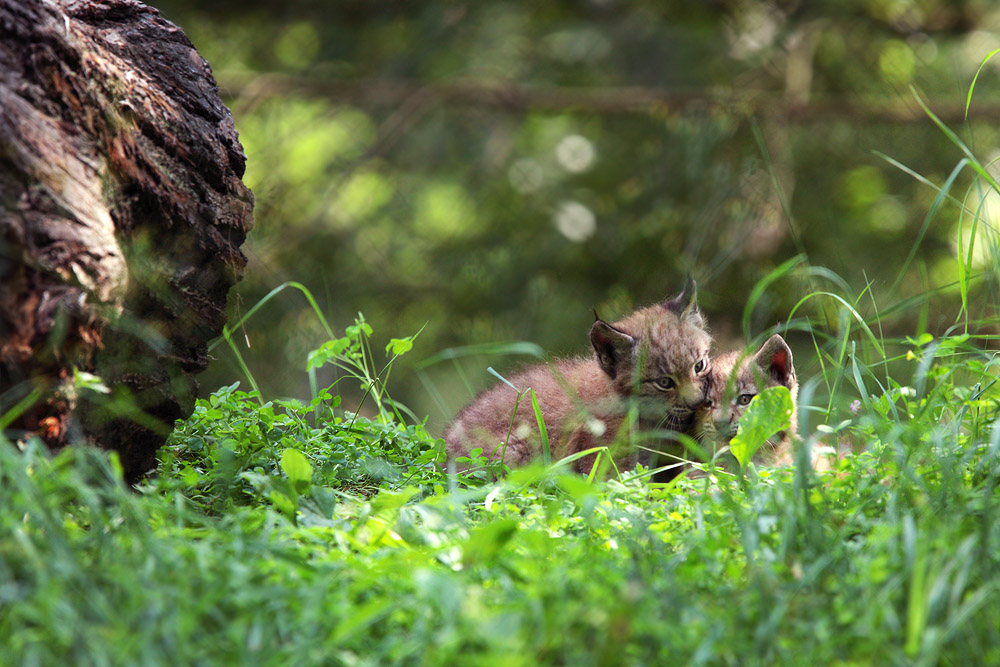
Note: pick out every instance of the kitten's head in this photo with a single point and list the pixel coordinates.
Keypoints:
(735, 380)
(658, 354)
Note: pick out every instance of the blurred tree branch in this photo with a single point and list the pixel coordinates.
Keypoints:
(251, 88)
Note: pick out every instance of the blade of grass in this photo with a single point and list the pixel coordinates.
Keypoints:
(270, 295)
(540, 420)
(432, 391)
(973, 162)
(859, 381)
(502, 379)
(965, 265)
(902, 167)
(916, 610)
(7, 418)
(226, 335)
(779, 190)
(484, 349)
(927, 222)
(878, 320)
(972, 86)
(850, 309)
(758, 290)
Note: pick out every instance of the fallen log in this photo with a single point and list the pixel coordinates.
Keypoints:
(122, 213)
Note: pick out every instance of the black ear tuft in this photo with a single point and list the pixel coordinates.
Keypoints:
(685, 304)
(775, 357)
(612, 347)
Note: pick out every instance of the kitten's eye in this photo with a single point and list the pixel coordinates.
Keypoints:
(700, 367)
(744, 399)
(664, 383)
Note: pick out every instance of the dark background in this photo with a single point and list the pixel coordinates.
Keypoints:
(491, 171)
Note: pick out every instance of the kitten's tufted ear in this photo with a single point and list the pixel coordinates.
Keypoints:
(685, 305)
(612, 347)
(775, 358)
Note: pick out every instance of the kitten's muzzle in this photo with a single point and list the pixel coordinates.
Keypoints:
(724, 428)
(692, 397)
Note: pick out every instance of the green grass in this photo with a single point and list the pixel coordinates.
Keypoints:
(286, 532)
(299, 533)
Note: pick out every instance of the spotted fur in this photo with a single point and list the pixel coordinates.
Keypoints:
(657, 359)
(729, 393)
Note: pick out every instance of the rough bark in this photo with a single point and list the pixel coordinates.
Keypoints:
(121, 217)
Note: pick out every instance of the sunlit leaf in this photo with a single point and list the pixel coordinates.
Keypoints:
(283, 503)
(398, 346)
(769, 412)
(89, 381)
(297, 468)
(920, 340)
(327, 351)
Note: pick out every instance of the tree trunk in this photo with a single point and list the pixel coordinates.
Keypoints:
(121, 217)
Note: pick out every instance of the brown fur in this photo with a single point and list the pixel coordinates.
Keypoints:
(729, 393)
(584, 402)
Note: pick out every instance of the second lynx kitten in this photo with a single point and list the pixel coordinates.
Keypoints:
(730, 392)
(656, 358)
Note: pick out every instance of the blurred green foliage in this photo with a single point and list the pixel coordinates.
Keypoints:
(494, 170)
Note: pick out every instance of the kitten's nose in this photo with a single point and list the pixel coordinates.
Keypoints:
(691, 396)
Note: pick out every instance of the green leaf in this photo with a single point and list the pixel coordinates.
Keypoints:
(390, 500)
(487, 540)
(359, 327)
(89, 381)
(298, 469)
(398, 346)
(920, 340)
(769, 412)
(283, 504)
(361, 617)
(328, 350)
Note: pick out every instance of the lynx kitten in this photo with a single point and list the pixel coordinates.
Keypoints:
(730, 393)
(656, 359)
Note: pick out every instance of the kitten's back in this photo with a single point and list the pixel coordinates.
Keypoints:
(563, 389)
